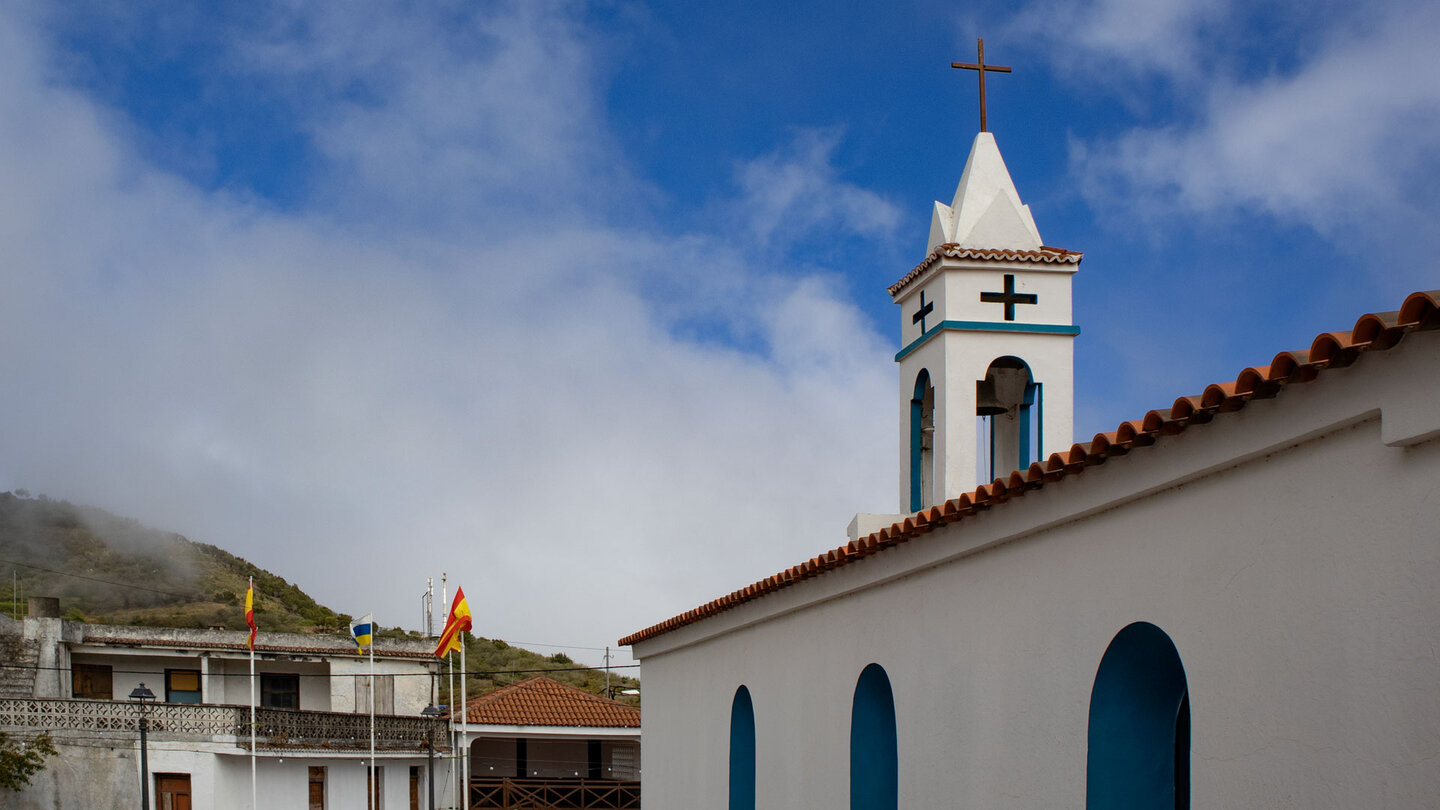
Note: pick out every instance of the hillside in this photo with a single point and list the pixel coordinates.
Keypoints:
(112, 570)
(107, 569)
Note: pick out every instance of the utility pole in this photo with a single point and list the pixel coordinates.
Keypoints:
(608, 693)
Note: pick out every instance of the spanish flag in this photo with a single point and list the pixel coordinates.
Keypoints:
(457, 623)
(250, 612)
(362, 631)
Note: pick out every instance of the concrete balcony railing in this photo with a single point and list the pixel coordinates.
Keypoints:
(274, 728)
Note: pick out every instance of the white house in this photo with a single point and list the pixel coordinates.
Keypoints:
(1230, 602)
(312, 725)
(542, 743)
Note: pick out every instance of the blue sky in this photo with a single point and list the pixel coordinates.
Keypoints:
(585, 303)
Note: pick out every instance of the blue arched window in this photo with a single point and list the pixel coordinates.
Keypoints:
(874, 751)
(742, 751)
(922, 437)
(1139, 746)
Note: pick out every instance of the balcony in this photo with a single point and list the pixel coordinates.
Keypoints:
(499, 793)
(275, 729)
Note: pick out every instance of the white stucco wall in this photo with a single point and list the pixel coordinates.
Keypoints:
(1289, 553)
(94, 774)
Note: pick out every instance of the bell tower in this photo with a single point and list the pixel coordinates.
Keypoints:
(987, 356)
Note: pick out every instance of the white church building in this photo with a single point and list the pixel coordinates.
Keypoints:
(1232, 602)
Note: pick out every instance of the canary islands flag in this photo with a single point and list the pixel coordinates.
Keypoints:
(362, 631)
(456, 623)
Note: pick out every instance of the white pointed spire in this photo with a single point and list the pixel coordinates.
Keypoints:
(986, 211)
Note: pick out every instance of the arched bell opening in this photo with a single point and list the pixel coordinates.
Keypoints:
(922, 443)
(1008, 405)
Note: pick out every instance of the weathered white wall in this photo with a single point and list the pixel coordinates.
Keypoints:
(314, 681)
(412, 683)
(1289, 553)
(285, 782)
(96, 775)
(88, 776)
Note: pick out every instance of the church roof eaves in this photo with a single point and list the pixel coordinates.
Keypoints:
(1045, 255)
(1372, 332)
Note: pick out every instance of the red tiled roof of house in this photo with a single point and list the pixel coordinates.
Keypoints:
(1045, 255)
(1329, 350)
(540, 701)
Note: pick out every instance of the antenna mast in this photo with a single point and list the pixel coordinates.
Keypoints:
(428, 600)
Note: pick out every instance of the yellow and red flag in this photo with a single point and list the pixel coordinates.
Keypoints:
(250, 612)
(456, 623)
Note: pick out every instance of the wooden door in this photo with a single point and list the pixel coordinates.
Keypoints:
(317, 787)
(172, 791)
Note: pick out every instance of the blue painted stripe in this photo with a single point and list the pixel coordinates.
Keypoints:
(987, 326)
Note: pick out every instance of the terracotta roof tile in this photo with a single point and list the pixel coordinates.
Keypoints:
(540, 701)
(1045, 255)
(1329, 350)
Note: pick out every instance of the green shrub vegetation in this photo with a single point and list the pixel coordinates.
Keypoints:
(22, 759)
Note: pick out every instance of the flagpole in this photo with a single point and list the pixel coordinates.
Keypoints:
(253, 781)
(450, 658)
(374, 771)
(453, 774)
(464, 723)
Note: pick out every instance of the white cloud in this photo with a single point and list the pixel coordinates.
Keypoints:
(1101, 38)
(361, 402)
(795, 191)
(1328, 132)
(1330, 145)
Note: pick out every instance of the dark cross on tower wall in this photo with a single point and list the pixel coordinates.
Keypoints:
(981, 68)
(1009, 298)
(925, 309)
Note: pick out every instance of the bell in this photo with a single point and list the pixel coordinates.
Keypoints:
(986, 403)
(1010, 385)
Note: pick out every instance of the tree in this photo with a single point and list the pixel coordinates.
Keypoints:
(22, 759)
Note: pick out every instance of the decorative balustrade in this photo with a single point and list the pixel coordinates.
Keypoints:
(580, 794)
(297, 728)
(274, 728)
(115, 715)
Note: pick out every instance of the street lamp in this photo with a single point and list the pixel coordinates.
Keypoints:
(141, 694)
(430, 712)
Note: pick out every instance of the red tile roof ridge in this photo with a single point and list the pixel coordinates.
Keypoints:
(542, 701)
(1045, 255)
(1372, 332)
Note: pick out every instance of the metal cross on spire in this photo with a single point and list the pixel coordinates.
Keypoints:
(981, 68)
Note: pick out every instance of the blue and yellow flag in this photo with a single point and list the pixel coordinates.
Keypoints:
(362, 630)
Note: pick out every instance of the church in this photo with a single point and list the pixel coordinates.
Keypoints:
(1232, 602)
